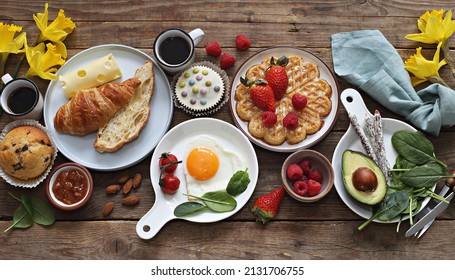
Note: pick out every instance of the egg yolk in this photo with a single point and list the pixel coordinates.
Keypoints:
(202, 163)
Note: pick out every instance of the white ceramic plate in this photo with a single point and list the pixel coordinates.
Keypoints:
(354, 104)
(175, 141)
(80, 149)
(325, 74)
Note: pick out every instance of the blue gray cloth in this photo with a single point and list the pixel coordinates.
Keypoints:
(368, 61)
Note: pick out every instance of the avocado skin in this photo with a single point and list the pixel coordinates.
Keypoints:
(350, 162)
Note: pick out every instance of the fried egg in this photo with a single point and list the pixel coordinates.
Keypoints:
(208, 166)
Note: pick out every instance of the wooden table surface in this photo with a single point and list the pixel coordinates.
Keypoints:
(323, 230)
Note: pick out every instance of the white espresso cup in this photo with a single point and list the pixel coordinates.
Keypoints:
(21, 98)
(174, 48)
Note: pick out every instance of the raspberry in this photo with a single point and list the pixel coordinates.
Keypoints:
(300, 187)
(305, 164)
(213, 49)
(268, 118)
(291, 121)
(299, 101)
(316, 175)
(314, 187)
(226, 61)
(294, 172)
(242, 42)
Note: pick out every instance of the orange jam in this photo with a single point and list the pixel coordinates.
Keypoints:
(70, 186)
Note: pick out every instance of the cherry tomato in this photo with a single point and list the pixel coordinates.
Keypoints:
(168, 162)
(169, 183)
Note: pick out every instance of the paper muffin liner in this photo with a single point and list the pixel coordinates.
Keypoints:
(32, 183)
(217, 106)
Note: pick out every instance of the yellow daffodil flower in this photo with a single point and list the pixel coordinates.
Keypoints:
(57, 30)
(434, 29)
(423, 69)
(9, 44)
(44, 61)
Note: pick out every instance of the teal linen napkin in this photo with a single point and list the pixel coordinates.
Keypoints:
(368, 61)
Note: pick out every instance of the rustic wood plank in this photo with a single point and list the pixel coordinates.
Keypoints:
(226, 240)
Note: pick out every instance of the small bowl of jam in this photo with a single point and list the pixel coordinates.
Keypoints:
(69, 186)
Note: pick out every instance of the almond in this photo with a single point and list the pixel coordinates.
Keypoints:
(127, 186)
(123, 179)
(112, 189)
(137, 179)
(107, 209)
(130, 200)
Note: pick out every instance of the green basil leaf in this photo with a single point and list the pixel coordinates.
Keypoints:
(423, 176)
(413, 146)
(188, 208)
(40, 212)
(219, 201)
(238, 182)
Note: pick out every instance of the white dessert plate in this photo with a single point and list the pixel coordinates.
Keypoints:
(325, 74)
(229, 138)
(80, 149)
(353, 102)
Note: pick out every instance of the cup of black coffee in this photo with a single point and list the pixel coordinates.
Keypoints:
(174, 48)
(21, 98)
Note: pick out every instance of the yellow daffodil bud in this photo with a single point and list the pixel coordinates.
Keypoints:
(423, 69)
(434, 29)
(57, 30)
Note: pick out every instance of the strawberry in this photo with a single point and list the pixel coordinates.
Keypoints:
(291, 121)
(299, 101)
(261, 94)
(266, 206)
(226, 61)
(294, 172)
(213, 49)
(314, 188)
(316, 175)
(277, 77)
(268, 119)
(242, 42)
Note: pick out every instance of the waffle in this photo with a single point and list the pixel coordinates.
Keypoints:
(303, 79)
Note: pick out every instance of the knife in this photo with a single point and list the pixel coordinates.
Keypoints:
(430, 216)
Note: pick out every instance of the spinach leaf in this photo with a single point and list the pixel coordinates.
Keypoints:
(40, 212)
(21, 219)
(187, 208)
(413, 146)
(219, 201)
(238, 183)
(424, 175)
(396, 203)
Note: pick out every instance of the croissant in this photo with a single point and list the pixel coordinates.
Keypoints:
(91, 109)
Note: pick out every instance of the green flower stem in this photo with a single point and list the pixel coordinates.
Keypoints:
(450, 61)
(437, 80)
(18, 66)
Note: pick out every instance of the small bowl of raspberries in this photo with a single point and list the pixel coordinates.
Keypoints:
(307, 175)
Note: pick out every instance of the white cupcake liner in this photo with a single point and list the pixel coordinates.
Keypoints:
(216, 107)
(32, 183)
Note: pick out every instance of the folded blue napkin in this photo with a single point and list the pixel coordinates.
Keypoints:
(368, 61)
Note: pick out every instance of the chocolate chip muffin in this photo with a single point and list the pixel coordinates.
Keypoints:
(25, 152)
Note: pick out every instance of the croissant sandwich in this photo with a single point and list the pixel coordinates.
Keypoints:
(91, 109)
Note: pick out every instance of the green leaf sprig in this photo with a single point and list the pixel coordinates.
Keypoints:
(31, 210)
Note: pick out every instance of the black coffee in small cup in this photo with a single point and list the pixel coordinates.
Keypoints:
(21, 100)
(174, 50)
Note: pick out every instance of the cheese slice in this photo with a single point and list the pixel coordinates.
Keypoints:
(95, 73)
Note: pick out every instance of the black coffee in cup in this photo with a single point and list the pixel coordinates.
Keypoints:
(175, 50)
(21, 100)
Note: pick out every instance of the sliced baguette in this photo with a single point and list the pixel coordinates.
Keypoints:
(128, 122)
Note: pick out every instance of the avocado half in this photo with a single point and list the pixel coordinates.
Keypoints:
(353, 161)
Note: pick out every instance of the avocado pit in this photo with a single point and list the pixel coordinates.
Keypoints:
(364, 179)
